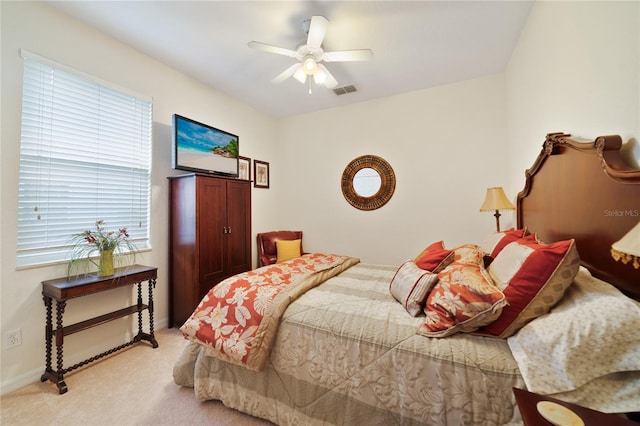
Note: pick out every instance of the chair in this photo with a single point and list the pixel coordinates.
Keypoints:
(267, 244)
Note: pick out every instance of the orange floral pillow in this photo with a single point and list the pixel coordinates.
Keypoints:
(467, 253)
(464, 299)
(434, 258)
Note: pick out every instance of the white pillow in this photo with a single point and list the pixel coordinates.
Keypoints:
(592, 332)
(411, 285)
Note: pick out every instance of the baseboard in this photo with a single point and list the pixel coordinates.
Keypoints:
(33, 376)
(15, 383)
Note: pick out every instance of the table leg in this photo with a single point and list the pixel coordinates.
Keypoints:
(139, 307)
(62, 386)
(152, 284)
(48, 336)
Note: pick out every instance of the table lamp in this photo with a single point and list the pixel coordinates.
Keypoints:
(496, 200)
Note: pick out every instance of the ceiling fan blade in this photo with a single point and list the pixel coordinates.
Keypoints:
(272, 49)
(323, 76)
(286, 73)
(348, 55)
(317, 31)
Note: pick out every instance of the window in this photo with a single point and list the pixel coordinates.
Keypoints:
(85, 154)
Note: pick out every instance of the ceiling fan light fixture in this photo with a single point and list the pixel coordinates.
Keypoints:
(320, 76)
(300, 75)
(309, 66)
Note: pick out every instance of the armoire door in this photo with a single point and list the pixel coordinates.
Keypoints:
(239, 227)
(212, 239)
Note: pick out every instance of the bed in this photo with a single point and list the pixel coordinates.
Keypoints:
(344, 346)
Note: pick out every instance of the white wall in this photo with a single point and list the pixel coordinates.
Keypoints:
(44, 31)
(576, 69)
(446, 145)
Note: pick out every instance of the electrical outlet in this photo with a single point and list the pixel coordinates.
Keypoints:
(14, 338)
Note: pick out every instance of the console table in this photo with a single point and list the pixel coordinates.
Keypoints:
(63, 289)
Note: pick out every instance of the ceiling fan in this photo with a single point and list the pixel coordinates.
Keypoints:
(310, 54)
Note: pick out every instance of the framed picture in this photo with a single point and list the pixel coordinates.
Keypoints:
(244, 168)
(260, 174)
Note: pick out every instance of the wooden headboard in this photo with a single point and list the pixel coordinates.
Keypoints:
(582, 189)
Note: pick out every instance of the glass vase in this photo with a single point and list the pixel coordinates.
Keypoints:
(105, 267)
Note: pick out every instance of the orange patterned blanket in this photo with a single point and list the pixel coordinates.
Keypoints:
(238, 319)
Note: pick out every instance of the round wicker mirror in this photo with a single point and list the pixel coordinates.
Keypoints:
(366, 175)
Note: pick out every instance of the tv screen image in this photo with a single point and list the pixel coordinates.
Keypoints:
(198, 147)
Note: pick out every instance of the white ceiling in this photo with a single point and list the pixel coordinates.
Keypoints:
(416, 44)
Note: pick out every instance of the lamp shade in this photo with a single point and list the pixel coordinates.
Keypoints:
(496, 200)
(309, 65)
(627, 249)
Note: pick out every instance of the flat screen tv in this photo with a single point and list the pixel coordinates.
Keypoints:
(201, 148)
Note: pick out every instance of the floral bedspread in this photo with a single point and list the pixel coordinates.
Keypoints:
(238, 319)
(347, 353)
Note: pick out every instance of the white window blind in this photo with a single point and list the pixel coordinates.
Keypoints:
(85, 154)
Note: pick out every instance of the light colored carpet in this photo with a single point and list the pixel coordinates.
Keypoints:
(132, 387)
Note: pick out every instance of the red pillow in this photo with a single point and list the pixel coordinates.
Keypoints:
(495, 242)
(533, 277)
(434, 258)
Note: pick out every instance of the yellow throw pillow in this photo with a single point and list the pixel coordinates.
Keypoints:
(287, 249)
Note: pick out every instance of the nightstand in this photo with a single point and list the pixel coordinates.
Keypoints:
(531, 417)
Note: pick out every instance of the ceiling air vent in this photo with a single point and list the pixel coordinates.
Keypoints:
(344, 90)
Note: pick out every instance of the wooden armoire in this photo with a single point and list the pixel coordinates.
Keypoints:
(209, 237)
